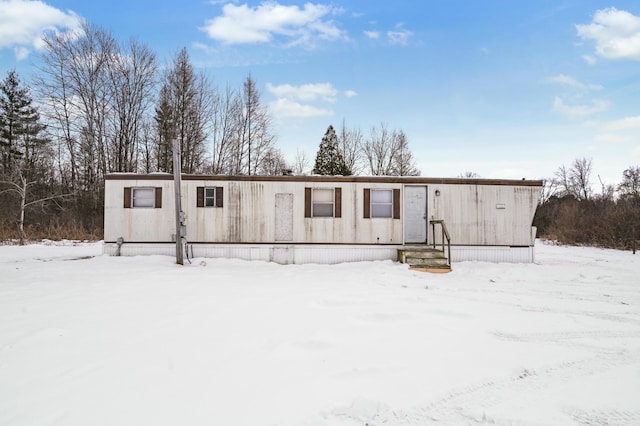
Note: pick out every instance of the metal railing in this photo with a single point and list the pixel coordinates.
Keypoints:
(445, 235)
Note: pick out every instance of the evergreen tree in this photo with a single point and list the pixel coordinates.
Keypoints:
(20, 127)
(329, 159)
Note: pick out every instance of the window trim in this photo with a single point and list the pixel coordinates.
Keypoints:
(374, 203)
(218, 196)
(336, 202)
(129, 197)
(368, 202)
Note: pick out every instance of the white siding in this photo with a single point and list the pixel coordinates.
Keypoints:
(486, 221)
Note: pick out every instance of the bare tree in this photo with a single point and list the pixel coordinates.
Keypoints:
(76, 93)
(387, 153)
(301, 163)
(182, 111)
(224, 129)
(350, 146)
(378, 150)
(272, 164)
(132, 73)
(403, 163)
(257, 139)
(26, 197)
(630, 185)
(575, 181)
(469, 175)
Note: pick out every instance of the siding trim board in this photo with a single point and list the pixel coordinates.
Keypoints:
(316, 253)
(405, 180)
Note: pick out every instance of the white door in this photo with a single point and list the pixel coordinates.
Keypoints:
(284, 217)
(415, 214)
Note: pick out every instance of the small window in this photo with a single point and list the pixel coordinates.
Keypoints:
(143, 197)
(322, 202)
(209, 196)
(381, 203)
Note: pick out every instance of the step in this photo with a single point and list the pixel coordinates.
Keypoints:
(426, 260)
(433, 269)
(422, 253)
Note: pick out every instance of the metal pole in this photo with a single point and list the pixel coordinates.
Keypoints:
(177, 172)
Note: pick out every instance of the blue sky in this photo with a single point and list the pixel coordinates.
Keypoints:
(506, 89)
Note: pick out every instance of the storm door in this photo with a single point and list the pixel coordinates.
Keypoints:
(415, 214)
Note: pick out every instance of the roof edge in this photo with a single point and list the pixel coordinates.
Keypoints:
(318, 178)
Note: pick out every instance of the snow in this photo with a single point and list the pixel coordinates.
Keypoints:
(88, 339)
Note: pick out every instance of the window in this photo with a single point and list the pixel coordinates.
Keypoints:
(323, 202)
(209, 196)
(381, 203)
(143, 197)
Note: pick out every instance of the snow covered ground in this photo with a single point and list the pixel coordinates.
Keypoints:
(87, 339)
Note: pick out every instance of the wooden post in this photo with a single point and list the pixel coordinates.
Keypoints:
(633, 239)
(177, 172)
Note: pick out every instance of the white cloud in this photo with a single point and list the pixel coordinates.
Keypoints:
(589, 59)
(621, 131)
(374, 35)
(305, 92)
(612, 138)
(21, 52)
(400, 37)
(570, 81)
(295, 101)
(627, 123)
(580, 111)
(244, 24)
(24, 22)
(616, 33)
(284, 107)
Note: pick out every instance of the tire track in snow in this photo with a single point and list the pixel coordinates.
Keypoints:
(463, 406)
(605, 417)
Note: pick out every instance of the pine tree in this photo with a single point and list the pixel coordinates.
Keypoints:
(329, 159)
(20, 126)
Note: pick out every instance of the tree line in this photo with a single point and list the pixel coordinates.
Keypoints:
(97, 105)
(571, 212)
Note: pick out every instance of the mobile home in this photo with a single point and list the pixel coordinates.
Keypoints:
(321, 219)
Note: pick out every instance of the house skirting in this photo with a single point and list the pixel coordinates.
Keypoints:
(317, 253)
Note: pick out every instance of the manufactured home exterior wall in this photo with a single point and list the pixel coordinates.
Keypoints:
(476, 212)
(486, 215)
(248, 214)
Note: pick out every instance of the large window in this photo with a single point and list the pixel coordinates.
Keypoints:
(381, 203)
(143, 197)
(323, 202)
